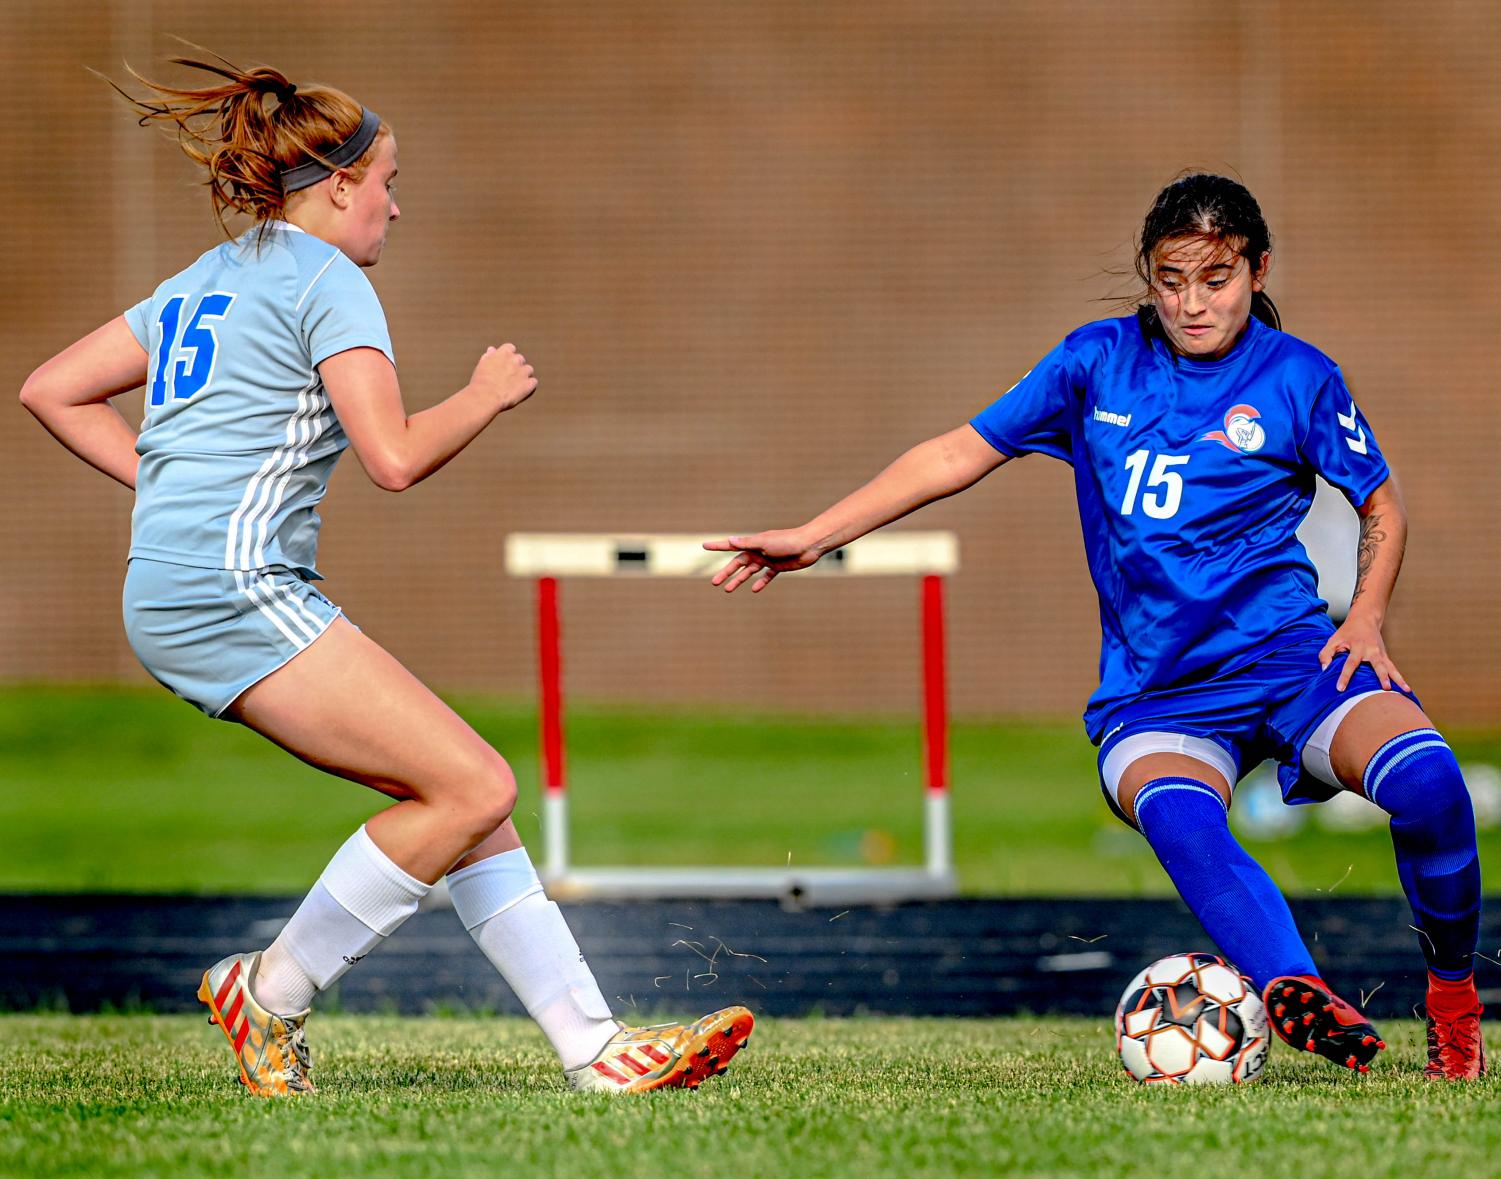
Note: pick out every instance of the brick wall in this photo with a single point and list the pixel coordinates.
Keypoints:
(755, 251)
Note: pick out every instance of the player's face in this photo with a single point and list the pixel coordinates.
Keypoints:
(373, 205)
(1202, 289)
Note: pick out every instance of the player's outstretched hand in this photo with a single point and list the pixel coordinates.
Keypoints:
(505, 375)
(762, 556)
(1361, 640)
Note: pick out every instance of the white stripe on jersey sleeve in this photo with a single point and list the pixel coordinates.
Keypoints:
(321, 271)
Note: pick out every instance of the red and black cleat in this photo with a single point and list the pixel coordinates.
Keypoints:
(1312, 1018)
(1455, 1050)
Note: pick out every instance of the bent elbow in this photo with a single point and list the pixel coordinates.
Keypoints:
(34, 393)
(390, 475)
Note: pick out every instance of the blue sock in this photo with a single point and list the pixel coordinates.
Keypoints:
(1415, 779)
(1230, 893)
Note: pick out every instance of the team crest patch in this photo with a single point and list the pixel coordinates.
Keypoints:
(1242, 433)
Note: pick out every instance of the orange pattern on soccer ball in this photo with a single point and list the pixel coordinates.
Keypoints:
(1191, 1019)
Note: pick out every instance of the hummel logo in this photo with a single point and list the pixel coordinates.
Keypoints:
(350, 960)
(1357, 444)
(1113, 419)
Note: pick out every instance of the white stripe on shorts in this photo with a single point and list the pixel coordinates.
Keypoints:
(250, 591)
(293, 602)
(281, 598)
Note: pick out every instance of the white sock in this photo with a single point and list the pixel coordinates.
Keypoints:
(361, 898)
(502, 905)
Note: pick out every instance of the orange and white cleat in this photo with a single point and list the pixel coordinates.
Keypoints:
(270, 1049)
(1308, 1015)
(667, 1056)
(1455, 1050)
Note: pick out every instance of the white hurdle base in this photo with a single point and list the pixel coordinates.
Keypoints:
(547, 557)
(800, 886)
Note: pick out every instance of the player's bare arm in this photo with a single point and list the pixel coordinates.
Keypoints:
(398, 450)
(930, 471)
(1383, 540)
(70, 393)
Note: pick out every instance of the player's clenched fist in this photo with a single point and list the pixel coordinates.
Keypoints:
(504, 373)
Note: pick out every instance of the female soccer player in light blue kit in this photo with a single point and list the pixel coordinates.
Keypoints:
(263, 360)
(1195, 429)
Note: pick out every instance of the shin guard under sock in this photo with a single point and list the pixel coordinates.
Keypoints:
(1415, 779)
(1239, 906)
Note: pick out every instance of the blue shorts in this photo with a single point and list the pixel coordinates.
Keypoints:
(1266, 711)
(208, 634)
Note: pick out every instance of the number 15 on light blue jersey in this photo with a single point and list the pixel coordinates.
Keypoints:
(185, 362)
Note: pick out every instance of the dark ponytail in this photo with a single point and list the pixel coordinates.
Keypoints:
(1204, 205)
(1265, 310)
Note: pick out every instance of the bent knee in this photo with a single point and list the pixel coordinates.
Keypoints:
(1415, 771)
(492, 794)
(481, 793)
(1142, 759)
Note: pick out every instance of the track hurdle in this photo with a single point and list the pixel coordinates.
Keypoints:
(550, 557)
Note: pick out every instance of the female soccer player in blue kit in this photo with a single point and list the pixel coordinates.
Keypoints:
(1195, 429)
(264, 359)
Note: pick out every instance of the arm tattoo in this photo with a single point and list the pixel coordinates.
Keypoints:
(1372, 534)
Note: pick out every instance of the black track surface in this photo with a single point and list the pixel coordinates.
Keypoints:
(967, 957)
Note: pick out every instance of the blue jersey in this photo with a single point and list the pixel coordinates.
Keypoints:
(239, 438)
(1192, 478)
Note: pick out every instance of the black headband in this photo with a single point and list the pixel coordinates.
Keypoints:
(341, 157)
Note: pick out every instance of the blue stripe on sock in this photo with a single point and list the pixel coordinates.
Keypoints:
(1157, 787)
(1398, 749)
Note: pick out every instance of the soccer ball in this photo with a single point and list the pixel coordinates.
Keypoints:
(1191, 1019)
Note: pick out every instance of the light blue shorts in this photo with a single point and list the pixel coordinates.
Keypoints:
(208, 634)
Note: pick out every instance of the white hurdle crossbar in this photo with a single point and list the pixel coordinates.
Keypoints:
(549, 557)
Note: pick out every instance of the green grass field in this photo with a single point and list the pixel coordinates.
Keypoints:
(129, 789)
(124, 790)
(132, 1095)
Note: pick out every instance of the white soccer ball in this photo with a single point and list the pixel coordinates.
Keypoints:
(1192, 1019)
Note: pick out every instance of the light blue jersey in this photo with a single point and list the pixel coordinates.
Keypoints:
(239, 438)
